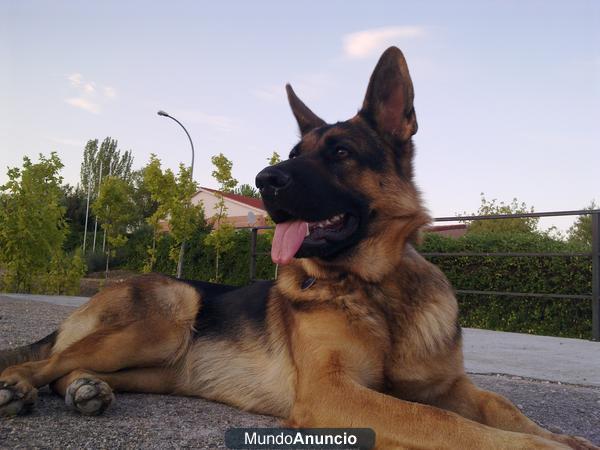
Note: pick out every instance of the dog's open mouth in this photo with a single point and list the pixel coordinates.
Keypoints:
(293, 234)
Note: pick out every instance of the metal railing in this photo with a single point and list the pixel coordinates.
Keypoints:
(594, 296)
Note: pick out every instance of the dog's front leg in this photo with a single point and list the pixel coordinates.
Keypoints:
(336, 362)
(492, 409)
(400, 424)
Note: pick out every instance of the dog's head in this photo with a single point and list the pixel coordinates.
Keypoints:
(347, 191)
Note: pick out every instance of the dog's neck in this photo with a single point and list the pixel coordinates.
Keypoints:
(320, 288)
(376, 258)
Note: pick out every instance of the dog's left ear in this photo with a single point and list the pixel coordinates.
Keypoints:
(307, 120)
(388, 104)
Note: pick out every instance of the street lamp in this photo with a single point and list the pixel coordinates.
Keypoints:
(182, 250)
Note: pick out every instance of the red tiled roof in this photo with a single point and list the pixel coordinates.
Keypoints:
(461, 226)
(250, 201)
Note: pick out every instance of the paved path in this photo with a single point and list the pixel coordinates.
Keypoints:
(62, 300)
(564, 360)
(163, 422)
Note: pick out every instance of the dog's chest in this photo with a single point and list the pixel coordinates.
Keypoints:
(426, 347)
(352, 299)
(244, 373)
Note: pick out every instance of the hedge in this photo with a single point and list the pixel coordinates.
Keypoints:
(547, 274)
(199, 260)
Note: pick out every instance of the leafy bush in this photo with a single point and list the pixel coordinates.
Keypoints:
(64, 275)
(547, 274)
(95, 262)
(200, 259)
(33, 231)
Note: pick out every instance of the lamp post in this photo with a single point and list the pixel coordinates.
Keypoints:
(182, 250)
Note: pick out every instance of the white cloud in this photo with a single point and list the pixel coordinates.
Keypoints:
(89, 96)
(75, 79)
(89, 87)
(368, 42)
(82, 103)
(110, 92)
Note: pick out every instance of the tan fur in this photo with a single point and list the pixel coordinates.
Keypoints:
(255, 374)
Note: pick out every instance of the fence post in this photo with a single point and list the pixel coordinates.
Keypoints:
(596, 276)
(253, 254)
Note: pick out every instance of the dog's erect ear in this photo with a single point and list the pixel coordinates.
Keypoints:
(388, 104)
(307, 120)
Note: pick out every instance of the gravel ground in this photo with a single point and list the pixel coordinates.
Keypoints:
(160, 422)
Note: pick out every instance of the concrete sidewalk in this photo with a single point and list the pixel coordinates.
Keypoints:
(63, 300)
(573, 361)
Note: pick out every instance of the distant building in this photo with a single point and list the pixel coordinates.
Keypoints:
(238, 207)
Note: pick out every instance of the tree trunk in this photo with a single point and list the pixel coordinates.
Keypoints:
(180, 262)
(107, 257)
(153, 257)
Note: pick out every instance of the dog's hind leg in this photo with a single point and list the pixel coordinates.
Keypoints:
(91, 393)
(141, 344)
(147, 322)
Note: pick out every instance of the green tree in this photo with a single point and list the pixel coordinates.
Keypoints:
(493, 207)
(161, 187)
(32, 223)
(173, 207)
(247, 190)
(145, 206)
(274, 159)
(221, 239)
(581, 230)
(222, 173)
(113, 161)
(221, 236)
(64, 274)
(115, 209)
(74, 202)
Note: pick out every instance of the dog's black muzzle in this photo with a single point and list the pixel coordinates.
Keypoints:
(271, 180)
(300, 189)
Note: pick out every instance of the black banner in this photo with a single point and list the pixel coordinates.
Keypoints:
(300, 438)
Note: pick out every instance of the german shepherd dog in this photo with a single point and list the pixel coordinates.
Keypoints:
(358, 330)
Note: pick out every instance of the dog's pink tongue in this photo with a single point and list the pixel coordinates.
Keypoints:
(287, 240)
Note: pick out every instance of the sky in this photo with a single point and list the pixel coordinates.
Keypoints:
(507, 93)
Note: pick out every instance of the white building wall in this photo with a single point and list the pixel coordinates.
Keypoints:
(233, 208)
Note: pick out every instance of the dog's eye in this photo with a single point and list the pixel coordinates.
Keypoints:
(341, 153)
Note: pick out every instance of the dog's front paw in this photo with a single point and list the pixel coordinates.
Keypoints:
(575, 442)
(89, 396)
(17, 398)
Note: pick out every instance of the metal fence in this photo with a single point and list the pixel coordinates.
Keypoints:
(594, 296)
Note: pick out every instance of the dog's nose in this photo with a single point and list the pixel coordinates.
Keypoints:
(272, 178)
